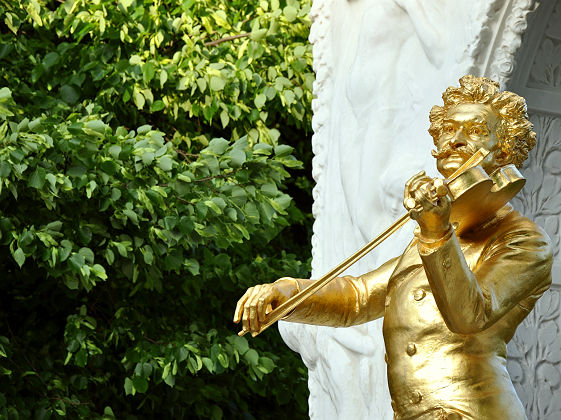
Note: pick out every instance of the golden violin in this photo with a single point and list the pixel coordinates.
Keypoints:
(475, 196)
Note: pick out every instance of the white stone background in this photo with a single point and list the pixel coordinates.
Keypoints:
(535, 352)
(380, 66)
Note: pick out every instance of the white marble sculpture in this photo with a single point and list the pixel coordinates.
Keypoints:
(380, 66)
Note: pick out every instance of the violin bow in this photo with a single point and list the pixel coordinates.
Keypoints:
(289, 305)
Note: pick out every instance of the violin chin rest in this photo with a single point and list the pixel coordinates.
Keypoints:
(477, 196)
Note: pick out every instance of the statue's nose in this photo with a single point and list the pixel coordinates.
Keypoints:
(459, 139)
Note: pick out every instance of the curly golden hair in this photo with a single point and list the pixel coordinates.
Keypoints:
(514, 130)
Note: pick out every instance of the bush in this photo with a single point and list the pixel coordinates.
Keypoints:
(143, 186)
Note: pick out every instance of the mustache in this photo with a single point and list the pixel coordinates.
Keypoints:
(448, 149)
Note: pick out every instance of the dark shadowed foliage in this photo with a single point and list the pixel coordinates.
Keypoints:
(152, 167)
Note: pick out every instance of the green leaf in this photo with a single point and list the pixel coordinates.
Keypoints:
(37, 178)
(262, 149)
(251, 357)
(223, 360)
(19, 257)
(5, 94)
(270, 92)
(258, 34)
(71, 282)
(251, 212)
(131, 215)
(140, 384)
(50, 59)
(157, 106)
(148, 71)
(6, 103)
(224, 118)
(163, 78)
(219, 201)
(269, 189)
(69, 94)
(5, 169)
(239, 196)
(165, 163)
(138, 98)
(109, 167)
(147, 158)
(77, 261)
(99, 271)
(213, 206)
(166, 371)
(237, 158)
(54, 226)
(266, 364)
(51, 178)
(260, 100)
(108, 414)
(240, 344)
(114, 151)
(208, 364)
(90, 188)
(300, 50)
(129, 389)
(95, 126)
(231, 213)
(174, 260)
(290, 13)
(218, 145)
(193, 266)
(66, 249)
(201, 83)
(283, 150)
(81, 357)
(170, 380)
(289, 96)
(217, 84)
(33, 8)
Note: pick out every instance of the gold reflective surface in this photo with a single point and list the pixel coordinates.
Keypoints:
(454, 298)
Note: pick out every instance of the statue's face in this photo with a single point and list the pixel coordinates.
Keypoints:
(466, 128)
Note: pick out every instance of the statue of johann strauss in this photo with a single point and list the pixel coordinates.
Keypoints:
(452, 301)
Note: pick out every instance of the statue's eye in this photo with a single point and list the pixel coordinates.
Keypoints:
(449, 129)
(476, 131)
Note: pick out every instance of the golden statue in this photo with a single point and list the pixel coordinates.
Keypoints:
(475, 269)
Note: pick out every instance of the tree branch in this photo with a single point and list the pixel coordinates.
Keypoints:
(228, 38)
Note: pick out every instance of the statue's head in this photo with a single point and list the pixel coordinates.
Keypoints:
(477, 115)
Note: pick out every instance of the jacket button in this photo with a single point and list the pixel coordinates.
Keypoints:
(416, 397)
(419, 294)
(446, 263)
(411, 349)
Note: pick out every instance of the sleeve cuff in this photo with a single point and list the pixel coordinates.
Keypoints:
(427, 246)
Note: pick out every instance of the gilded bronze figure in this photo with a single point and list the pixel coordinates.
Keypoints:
(475, 269)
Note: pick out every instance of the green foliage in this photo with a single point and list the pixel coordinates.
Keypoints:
(144, 164)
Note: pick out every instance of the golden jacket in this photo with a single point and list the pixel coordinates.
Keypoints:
(449, 310)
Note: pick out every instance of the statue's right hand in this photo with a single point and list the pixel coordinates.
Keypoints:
(259, 300)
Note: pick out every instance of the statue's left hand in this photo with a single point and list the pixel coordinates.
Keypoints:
(426, 200)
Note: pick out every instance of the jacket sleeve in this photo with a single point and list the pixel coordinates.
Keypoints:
(346, 300)
(513, 269)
